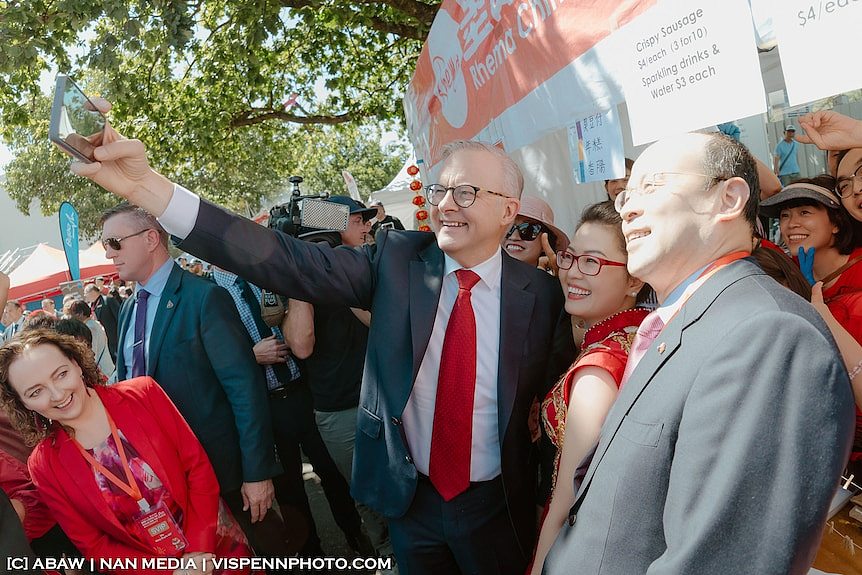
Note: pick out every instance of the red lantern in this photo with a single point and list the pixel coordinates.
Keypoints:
(422, 215)
(415, 185)
(419, 201)
(424, 228)
(412, 170)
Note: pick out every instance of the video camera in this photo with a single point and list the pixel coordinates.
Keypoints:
(310, 217)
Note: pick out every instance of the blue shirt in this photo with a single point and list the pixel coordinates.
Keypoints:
(786, 152)
(155, 285)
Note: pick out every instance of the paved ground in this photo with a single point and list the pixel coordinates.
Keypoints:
(331, 538)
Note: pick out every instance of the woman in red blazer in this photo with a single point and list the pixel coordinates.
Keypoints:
(118, 466)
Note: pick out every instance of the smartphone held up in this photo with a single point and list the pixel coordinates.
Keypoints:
(77, 126)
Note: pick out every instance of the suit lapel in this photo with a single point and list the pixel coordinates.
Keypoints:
(167, 306)
(516, 309)
(426, 283)
(669, 341)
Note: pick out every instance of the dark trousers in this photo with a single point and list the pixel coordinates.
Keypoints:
(294, 428)
(470, 534)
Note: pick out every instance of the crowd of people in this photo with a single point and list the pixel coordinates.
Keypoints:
(652, 394)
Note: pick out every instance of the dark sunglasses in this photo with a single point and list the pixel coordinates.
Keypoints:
(528, 231)
(115, 243)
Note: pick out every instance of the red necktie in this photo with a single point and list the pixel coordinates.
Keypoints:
(647, 331)
(452, 435)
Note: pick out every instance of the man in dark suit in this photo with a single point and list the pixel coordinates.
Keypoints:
(727, 441)
(13, 319)
(185, 332)
(453, 473)
(13, 544)
(107, 310)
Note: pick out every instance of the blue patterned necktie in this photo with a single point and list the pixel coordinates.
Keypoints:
(139, 358)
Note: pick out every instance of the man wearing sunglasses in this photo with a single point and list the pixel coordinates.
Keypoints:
(184, 332)
(443, 445)
(524, 239)
(719, 455)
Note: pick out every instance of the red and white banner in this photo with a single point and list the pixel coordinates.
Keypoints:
(503, 70)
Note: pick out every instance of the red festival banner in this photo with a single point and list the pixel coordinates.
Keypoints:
(483, 57)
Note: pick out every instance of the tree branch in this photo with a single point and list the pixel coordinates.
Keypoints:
(402, 30)
(252, 117)
(421, 12)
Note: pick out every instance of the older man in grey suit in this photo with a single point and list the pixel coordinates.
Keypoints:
(728, 438)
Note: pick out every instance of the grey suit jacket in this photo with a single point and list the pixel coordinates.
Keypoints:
(723, 450)
(400, 280)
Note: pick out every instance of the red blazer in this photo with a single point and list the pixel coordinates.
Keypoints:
(152, 424)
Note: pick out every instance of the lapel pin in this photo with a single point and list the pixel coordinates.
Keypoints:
(662, 347)
(170, 304)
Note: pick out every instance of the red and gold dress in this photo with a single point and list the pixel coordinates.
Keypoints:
(606, 345)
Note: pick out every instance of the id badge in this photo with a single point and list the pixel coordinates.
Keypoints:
(160, 531)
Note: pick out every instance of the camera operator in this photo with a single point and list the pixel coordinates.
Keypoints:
(383, 220)
(332, 340)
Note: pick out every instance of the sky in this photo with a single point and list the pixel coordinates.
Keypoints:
(5, 156)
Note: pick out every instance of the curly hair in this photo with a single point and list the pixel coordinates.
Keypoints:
(32, 426)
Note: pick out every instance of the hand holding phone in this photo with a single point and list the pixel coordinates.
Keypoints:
(77, 125)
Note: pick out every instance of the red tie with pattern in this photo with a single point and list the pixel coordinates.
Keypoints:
(452, 435)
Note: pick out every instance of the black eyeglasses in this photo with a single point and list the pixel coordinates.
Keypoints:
(464, 195)
(588, 265)
(527, 231)
(848, 185)
(115, 243)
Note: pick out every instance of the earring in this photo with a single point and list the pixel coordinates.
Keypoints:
(634, 294)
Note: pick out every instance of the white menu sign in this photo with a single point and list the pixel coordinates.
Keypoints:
(687, 65)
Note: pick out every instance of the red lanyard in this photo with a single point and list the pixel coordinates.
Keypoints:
(704, 275)
(723, 261)
(131, 488)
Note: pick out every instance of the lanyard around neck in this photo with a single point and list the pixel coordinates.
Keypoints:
(705, 275)
(131, 488)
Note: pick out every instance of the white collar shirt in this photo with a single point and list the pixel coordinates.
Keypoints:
(418, 417)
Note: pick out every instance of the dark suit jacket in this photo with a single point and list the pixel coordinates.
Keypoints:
(200, 353)
(13, 542)
(162, 438)
(399, 280)
(725, 446)
(108, 313)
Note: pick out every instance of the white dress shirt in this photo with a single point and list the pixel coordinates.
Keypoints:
(418, 417)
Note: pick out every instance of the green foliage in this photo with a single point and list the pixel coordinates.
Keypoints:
(244, 170)
(203, 83)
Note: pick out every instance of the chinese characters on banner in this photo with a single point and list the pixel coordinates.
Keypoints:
(483, 57)
(596, 148)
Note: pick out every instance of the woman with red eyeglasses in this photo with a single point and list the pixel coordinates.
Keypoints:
(600, 291)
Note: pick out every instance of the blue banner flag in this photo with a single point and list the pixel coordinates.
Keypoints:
(69, 236)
